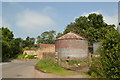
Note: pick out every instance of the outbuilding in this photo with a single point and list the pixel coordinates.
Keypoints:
(72, 45)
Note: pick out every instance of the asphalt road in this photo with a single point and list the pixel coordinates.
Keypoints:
(18, 69)
(25, 69)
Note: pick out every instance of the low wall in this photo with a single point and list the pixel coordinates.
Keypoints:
(50, 55)
(42, 53)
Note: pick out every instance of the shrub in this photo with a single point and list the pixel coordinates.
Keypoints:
(20, 56)
(31, 57)
(24, 56)
(108, 65)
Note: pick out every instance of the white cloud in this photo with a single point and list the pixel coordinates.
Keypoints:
(107, 18)
(111, 19)
(87, 14)
(3, 23)
(32, 21)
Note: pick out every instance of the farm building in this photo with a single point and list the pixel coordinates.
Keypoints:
(71, 45)
(43, 51)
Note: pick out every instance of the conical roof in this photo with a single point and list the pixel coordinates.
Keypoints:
(71, 35)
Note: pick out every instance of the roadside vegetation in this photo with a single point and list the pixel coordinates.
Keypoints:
(77, 62)
(24, 56)
(108, 64)
(49, 66)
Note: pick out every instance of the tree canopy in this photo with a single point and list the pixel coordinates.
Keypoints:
(107, 65)
(28, 42)
(92, 27)
(47, 37)
(7, 43)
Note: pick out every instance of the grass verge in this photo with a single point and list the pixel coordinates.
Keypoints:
(49, 66)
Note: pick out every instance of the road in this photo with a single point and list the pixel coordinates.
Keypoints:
(18, 69)
(25, 69)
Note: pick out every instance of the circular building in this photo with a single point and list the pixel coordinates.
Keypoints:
(71, 45)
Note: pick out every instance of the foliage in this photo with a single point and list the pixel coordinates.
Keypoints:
(96, 69)
(31, 57)
(20, 56)
(24, 56)
(48, 65)
(59, 35)
(108, 65)
(47, 37)
(77, 62)
(73, 62)
(10, 46)
(92, 27)
(28, 42)
(17, 48)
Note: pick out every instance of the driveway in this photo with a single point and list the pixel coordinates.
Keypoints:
(25, 69)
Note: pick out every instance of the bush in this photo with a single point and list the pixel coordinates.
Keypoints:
(20, 56)
(108, 65)
(96, 68)
(31, 57)
(24, 56)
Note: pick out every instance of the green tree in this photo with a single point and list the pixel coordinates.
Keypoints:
(110, 54)
(108, 64)
(47, 37)
(17, 48)
(29, 42)
(10, 46)
(38, 40)
(92, 27)
(59, 35)
(7, 43)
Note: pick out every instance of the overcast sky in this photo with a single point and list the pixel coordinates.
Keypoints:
(33, 18)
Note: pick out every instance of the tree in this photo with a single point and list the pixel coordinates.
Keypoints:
(38, 39)
(110, 54)
(59, 35)
(7, 43)
(17, 48)
(108, 64)
(47, 37)
(92, 27)
(10, 46)
(29, 42)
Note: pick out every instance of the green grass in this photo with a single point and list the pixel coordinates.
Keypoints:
(20, 56)
(76, 62)
(50, 66)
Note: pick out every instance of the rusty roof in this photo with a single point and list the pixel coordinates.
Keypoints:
(71, 35)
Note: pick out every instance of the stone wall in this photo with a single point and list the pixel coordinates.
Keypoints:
(41, 52)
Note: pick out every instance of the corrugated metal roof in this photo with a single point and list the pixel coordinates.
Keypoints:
(71, 35)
